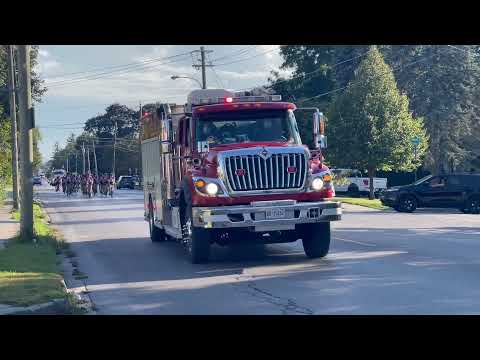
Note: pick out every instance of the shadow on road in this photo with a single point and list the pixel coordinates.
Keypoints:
(133, 207)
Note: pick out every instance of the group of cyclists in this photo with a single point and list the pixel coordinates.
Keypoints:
(88, 183)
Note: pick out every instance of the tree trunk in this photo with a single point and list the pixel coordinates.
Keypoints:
(371, 174)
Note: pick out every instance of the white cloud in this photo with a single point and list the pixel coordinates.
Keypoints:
(43, 53)
(247, 75)
(156, 52)
(270, 55)
(154, 80)
(46, 65)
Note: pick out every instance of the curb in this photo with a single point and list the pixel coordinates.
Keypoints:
(78, 288)
(57, 306)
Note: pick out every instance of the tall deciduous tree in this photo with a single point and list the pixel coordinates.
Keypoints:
(442, 83)
(38, 90)
(371, 123)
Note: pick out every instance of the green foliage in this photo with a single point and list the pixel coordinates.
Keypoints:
(443, 85)
(100, 130)
(371, 123)
(340, 180)
(441, 82)
(38, 90)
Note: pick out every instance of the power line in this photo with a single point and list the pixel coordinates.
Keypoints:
(117, 66)
(463, 50)
(237, 53)
(107, 74)
(251, 57)
(118, 102)
(313, 72)
(354, 82)
(217, 78)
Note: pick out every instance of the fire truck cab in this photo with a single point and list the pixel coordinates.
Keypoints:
(230, 166)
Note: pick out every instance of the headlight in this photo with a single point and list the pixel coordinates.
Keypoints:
(212, 189)
(317, 184)
(207, 187)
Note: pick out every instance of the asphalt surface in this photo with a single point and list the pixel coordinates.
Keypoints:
(379, 263)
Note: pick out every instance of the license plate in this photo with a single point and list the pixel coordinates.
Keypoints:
(275, 214)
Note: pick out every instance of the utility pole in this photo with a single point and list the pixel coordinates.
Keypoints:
(83, 154)
(140, 137)
(67, 162)
(76, 163)
(88, 158)
(26, 142)
(95, 158)
(13, 117)
(202, 65)
(114, 149)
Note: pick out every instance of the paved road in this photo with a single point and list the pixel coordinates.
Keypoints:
(427, 262)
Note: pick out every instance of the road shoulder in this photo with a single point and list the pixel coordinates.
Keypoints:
(30, 278)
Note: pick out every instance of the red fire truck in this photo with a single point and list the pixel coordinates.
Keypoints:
(230, 166)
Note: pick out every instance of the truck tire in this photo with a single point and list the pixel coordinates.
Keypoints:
(156, 234)
(473, 205)
(197, 240)
(316, 239)
(353, 190)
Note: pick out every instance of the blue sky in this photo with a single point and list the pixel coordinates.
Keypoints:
(71, 99)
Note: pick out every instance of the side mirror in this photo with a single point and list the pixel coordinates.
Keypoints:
(319, 138)
(166, 135)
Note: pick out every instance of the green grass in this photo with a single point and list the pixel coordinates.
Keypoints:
(29, 272)
(374, 204)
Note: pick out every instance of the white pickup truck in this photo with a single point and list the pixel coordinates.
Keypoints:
(354, 183)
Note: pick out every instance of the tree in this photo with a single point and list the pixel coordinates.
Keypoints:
(38, 90)
(5, 152)
(102, 129)
(37, 156)
(38, 87)
(442, 83)
(371, 123)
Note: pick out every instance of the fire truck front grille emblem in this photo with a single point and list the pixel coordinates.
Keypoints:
(264, 154)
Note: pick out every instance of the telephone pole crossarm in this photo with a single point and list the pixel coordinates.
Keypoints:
(202, 65)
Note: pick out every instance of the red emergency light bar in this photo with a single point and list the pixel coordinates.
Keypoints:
(238, 99)
(232, 107)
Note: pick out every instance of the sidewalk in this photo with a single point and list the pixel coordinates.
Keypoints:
(8, 226)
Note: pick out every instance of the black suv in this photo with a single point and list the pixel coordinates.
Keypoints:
(460, 191)
(126, 182)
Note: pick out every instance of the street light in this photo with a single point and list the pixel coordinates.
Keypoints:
(175, 77)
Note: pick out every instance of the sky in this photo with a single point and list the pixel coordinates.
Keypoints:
(83, 80)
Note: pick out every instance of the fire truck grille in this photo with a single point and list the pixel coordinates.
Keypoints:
(279, 171)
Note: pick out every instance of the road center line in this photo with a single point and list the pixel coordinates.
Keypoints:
(353, 241)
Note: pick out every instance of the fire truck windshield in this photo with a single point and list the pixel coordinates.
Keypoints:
(248, 126)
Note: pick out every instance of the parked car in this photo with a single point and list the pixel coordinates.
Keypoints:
(354, 183)
(460, 191)
(37, 180)
(126, 182)
(136, 180)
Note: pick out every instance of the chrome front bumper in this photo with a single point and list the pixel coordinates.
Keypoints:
(253, 216)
